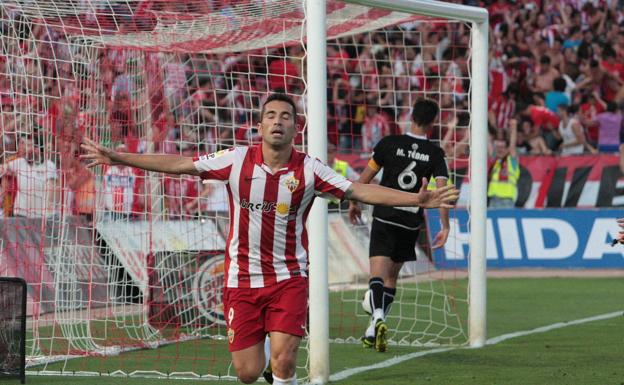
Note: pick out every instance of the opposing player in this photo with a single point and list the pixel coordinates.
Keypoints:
(271, 187)
(408, 162)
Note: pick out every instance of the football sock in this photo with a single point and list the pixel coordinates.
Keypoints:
(267, 352)
(377, 293)
(370, 331)
(289, 381)
(388, 298)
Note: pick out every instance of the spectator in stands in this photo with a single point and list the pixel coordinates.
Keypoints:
(504, 173)
(283, 74)
(529, 142)
(591, 106)
(376, 126)
(456, 141)
(75, 180)
(176, 89)
(543, 123)
(609, 126)
(179, 191)
(213, 199)
(37, 194)
(340, 101)
(573, 140)
(570, 66)
(120, 191)
(504, 108)
(545, 75)
(557, 96)
(342, 167)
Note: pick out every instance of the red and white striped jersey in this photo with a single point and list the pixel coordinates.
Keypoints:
(119, 184)
(268, 241)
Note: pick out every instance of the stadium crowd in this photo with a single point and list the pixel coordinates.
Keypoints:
(556, 71)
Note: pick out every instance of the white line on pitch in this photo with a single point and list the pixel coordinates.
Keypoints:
(492, 341)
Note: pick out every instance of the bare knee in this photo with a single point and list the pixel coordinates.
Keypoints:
(247, 372)
(247, 377)
(283, 364)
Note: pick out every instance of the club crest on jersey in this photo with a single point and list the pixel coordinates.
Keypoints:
(230, 334)
(414, 147)
(291, 184)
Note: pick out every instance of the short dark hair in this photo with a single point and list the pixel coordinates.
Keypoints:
(282, 98)
(608, 52)
(424, 112)
(570, 109)
(559, 84)
(512, 88)
(544, 59)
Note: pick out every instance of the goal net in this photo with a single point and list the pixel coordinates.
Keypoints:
(125, 268)
(12, 328)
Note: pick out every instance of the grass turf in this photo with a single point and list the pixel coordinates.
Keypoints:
(582, 354)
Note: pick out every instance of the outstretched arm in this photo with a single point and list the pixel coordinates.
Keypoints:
(380, 195)
(170, 164)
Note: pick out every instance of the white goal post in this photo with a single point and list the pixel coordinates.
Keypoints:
(317, 83)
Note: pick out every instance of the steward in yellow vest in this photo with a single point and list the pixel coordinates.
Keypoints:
(505, 171)
(341, 167)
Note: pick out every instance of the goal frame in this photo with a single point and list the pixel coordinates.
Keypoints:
(317, 140)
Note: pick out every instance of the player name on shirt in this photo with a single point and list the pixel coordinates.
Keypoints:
(414, 154)
(405, 160)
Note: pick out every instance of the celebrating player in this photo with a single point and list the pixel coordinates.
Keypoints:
(271, 187)
(408, 161)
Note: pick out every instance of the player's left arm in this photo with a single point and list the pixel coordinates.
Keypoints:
(379, 195)
(329, 183)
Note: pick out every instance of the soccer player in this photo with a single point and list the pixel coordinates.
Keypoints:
(271, 187)
(408, 162)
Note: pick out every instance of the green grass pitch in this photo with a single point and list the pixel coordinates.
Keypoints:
(589, 353)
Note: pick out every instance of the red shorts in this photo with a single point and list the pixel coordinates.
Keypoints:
(251, 313)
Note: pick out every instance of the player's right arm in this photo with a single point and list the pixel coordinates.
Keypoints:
(97, 154)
